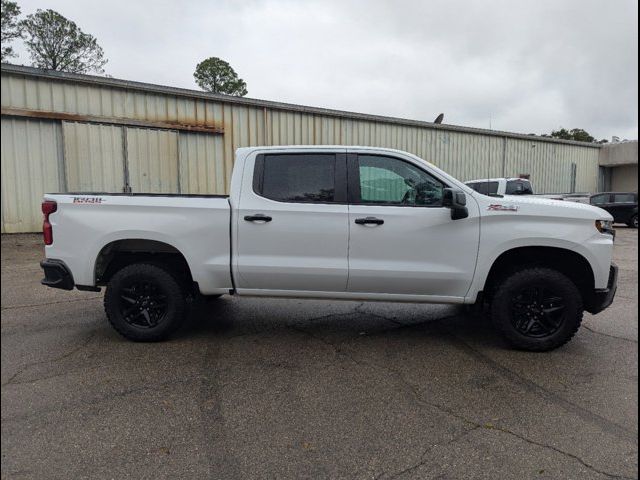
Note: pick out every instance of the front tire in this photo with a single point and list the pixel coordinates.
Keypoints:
(537, 309)
(144, 303)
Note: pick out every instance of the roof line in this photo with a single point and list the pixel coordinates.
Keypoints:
(183, 92)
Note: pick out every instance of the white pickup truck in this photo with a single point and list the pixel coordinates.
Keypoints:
(335, 223)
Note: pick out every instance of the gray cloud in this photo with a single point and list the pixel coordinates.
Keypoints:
(528, 66)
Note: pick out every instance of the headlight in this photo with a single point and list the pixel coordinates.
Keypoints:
(605, 226)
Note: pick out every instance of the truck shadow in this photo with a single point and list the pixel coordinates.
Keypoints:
(336, 322)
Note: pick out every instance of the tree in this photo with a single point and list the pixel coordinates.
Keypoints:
(217, 76)
(576, 134)
(56, 43)
(11, 28)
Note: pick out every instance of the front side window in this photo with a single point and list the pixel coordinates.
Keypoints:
(600, 199)
(624, 198)
(298, 178)
(390, 181)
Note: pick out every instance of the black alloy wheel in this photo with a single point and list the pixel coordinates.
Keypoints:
(537, 312)
(143, 304)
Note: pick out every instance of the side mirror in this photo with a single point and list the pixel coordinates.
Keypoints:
(456, 200)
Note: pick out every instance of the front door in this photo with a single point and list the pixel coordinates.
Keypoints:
(292, 223)
(402, 240)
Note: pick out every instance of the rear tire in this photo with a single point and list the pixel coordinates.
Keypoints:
(633, 223)
(144, 303)
(537, 309)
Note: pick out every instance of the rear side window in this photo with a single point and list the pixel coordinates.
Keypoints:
(486, 188)
(296, 177)
(518, 187)
(624, 198)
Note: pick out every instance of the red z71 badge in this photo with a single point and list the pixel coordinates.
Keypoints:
(498, 207)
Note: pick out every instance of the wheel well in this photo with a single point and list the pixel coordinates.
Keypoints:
(567, 262)
(121, 253)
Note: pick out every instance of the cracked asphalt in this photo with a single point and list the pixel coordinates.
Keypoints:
(261, 388)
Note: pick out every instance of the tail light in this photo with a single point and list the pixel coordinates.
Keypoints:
(48, 207)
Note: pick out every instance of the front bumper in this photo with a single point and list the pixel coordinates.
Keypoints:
(602, 299)
(56, 274)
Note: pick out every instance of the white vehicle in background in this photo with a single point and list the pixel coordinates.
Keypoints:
(501, 186)
(334, 222)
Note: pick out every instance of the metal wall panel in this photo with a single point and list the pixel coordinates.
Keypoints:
(550, 165)
(152, 160)
(31, 155)
(202, 163)
(201, 170)
(94, 157)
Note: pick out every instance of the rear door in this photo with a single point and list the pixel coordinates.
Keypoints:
(292, 222)
(623, 206)
(402, 240)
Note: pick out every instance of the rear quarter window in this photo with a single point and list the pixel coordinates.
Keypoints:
(624, 198)
(485, 188)
(519, 187)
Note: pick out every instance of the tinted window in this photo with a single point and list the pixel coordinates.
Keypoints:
(518, 187)
(299, 177)
(624, 198)
(600, 199)
(486, 188)
(386, 180)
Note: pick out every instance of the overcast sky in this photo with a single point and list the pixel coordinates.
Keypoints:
(523, 66)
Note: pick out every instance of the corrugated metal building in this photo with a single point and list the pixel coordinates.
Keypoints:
(67, 132)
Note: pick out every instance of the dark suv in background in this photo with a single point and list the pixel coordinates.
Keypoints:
(623, 206)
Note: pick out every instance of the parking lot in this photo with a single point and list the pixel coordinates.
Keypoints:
(261, 388)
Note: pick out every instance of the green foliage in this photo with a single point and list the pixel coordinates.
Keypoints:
(56, 43)
(576, 134)
(217, 76)
(11, 28)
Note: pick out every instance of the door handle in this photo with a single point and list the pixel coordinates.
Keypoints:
(369, 221)
(258, 218)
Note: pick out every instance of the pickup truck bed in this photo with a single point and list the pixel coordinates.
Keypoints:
(97, 225)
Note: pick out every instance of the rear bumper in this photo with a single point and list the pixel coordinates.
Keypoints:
(602, 299)
(56, 274)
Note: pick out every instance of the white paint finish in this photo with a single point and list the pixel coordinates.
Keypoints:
(545, 223)
(304, 247)
(30, 167)
(424, 257)
(152, 160)
(197, 227)
(411, 253)
(94, 157)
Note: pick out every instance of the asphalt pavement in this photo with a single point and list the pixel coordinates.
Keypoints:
(276, 388)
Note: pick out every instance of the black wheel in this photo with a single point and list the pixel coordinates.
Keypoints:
(634, 222)
(537, 309)
(144, 303)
